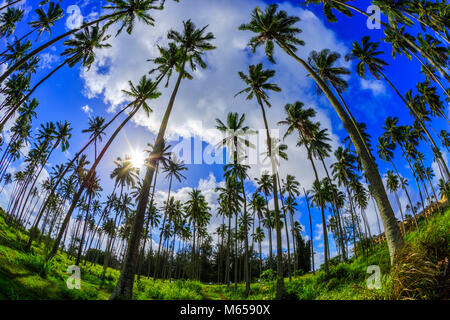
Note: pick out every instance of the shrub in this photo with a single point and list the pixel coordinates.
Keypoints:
(38, 265)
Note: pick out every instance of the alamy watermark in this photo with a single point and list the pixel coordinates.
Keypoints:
(374, 19)
(374, 280)
(74, 280)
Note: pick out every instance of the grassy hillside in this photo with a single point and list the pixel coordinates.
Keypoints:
(422, 274)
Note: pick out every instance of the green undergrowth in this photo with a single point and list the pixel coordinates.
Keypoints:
(418, 275)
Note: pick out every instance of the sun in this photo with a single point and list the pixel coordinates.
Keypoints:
(137, 159)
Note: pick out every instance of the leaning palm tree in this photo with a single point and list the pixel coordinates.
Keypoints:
(193, 43)
(80, 49)
(124, 12)
(258, 85)
(145, 90)
(367, 54)
(277, 27)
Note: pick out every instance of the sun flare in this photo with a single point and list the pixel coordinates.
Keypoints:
(137, 158)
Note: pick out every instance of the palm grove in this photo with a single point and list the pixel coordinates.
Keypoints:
(131, 232)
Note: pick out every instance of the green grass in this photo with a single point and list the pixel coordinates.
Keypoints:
(28, 276)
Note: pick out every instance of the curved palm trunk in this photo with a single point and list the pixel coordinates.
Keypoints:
(426, 24)
(124, 287)
(10, 4)
(141, 257)
(393, 236)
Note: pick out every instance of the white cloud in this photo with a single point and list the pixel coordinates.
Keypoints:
(211, 94)
(86, 109)
(375, 86)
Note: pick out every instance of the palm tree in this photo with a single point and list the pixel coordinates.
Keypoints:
(258, 236)
(367, 54)
(308, 199)
(197, 212)
(272, 26)
(298, 118)
(80, 49)
(124, 12)
(393, 184)
(8, 21)
(193, 44)
(406, 39)
(68, 167)
(258, 85)
(173, 168)
(96, 129)
(386, 153)
(323, 63)
(235, 141)
(145, 90)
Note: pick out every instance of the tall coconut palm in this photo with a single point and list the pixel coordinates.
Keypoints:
(299, 119)
(277, 27)
(235, 141)
(172, 168)
(258, 85)
(193, 44)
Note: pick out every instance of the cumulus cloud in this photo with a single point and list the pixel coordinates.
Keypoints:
(211, 93)
(375, 86)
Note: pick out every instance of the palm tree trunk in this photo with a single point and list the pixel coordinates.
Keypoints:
(311, 231)
(124, 287)
(393, 236)
(10, 4)
(280, 277)
(286, 230)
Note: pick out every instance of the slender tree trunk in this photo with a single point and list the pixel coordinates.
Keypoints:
(124, 287)
(311, 231)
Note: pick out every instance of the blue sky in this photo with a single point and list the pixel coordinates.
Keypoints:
(211, 94)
